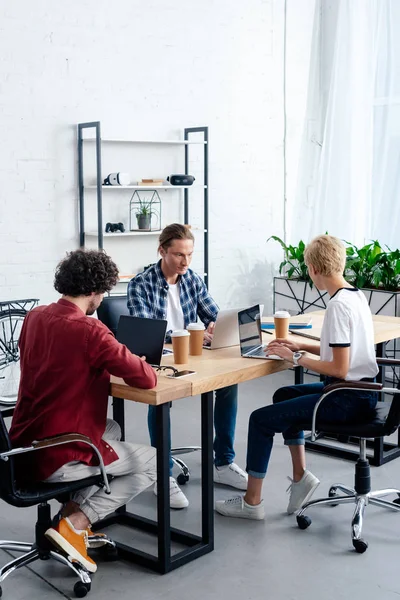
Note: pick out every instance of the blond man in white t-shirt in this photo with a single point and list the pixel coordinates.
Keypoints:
(346, 353)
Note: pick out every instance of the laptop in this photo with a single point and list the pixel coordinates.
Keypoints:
(250, 340)
(226, 332)
(144, 337)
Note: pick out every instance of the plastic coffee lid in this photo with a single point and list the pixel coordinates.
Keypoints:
(195, 327)
(180, 333)
(282, 314)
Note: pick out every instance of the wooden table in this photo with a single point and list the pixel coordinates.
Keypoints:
(214, 369)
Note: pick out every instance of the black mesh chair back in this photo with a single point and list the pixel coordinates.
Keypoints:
(7, 479)
(393, 418)
(110, 311)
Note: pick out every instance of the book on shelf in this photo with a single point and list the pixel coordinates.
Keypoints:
(125, 278)
(148, 182)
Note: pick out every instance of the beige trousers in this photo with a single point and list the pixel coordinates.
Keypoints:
(134, 471)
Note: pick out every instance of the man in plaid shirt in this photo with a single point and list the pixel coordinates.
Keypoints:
(170, 290)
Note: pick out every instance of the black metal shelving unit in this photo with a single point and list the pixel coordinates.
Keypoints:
(186, 142)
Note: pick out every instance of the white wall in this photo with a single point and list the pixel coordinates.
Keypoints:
(144, 69)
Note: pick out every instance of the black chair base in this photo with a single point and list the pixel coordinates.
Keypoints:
(184, 474)
(42, 549)
(361, 496)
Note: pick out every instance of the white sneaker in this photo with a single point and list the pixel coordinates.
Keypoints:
(237, 507)
(301, 491)
(231, 475)
(177, 498)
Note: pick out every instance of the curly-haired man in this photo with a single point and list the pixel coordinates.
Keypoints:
(66, 362)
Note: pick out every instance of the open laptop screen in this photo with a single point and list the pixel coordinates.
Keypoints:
(249, 328)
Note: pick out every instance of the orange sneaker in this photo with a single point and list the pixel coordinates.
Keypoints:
(96, 539)
(71, 543)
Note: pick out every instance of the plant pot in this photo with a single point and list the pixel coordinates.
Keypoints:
(144, 221)
(297, 296)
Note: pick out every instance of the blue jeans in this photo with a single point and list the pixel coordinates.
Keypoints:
(294, 405)
(225, 411)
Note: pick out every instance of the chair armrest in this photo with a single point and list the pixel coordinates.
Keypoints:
(61, 439)
(393, 362)
(343, 385)
(58, 440)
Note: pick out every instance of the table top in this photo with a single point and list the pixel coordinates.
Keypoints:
(216, 369)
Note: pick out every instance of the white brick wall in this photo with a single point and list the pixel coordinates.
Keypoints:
(145, 70)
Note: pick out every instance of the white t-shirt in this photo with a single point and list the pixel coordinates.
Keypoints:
(174, 310)
(348, 323)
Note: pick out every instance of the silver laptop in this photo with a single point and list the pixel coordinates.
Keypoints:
(226, 332)
(250, 340)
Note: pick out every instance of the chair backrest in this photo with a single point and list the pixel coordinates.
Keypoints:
(393, 418)
(111, 309)
(7, 476)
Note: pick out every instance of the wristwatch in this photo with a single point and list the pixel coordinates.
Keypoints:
(296, 357)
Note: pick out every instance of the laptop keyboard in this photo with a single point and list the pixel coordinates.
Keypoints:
(257, 351)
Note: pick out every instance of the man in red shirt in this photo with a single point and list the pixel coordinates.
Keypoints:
(66, 362)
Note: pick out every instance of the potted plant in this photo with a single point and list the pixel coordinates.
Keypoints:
(294, 290)
(144, 214)
(377, 272)
(371, 268)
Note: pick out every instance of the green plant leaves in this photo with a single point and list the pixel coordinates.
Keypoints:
(368, 267)
(371, 266)
(293, 266)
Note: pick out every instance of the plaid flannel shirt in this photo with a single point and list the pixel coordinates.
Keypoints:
(148, 291)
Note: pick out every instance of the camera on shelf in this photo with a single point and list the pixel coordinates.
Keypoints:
(115, 227)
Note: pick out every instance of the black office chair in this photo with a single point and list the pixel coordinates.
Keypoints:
(385, 420)
(39, 494)
(109, 312)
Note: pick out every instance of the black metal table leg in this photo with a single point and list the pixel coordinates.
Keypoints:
(298, 375)
(163, 508)
(207, 485)
(197, 545)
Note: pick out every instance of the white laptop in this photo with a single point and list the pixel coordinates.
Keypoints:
(250, 340)
(226, 331)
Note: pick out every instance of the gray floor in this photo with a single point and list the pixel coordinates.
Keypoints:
(251, 560)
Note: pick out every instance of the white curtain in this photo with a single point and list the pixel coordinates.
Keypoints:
(356, 175)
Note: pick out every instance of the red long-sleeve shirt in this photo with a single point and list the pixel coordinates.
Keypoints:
(66, 362)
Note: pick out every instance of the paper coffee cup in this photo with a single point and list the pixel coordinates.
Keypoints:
(196, 340)
(281, 322)
(180, 346)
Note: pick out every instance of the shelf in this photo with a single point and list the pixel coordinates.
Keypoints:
(145, 187)
(169, 142)
(125, 234)
(134, 233)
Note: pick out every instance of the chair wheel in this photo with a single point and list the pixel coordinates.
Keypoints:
(303, 521)
(81, 589)
(360, 546)
(396, 501)
(182, 479)
(333, 494)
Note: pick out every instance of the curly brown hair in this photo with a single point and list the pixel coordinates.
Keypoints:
(83, 272)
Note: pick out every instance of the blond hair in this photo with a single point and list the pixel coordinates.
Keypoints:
(326, 254)
(173, 232)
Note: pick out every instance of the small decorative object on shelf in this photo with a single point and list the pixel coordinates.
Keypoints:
(150, 182)
(181, 179)
(117, 179)
(115, 227)
(145, 211)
